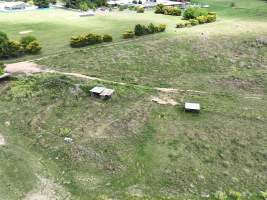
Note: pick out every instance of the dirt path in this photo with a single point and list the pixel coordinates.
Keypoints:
(165, 90)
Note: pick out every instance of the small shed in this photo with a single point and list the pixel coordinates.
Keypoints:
(107, 93)
(102, 92)
(192, 107)
(96, 91)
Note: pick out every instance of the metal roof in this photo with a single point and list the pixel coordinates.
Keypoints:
(192, 106)
(97, 89)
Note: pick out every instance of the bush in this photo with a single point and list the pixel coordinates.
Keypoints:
(83, 6)
(134, 2)
(9, 48)
(128, 34)
(188, 24)
(15, 49)
(41, 3)
(159, 9)
(202, 19)
(162, 27)
(140, 9)
(140, 30)
(33, 48)
(180, 25)
(169, 10)
(85, 40)
(107, 38)
(152, 28)
(193, 13)
(3, 45)
(26, 40)
(193, 22)
(211, 18)
(140, 2)
(1, 68)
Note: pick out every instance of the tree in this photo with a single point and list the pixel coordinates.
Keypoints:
(41, 3)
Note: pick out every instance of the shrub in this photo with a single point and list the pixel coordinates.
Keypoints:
(140, 2)
(3, 45)
(193, 13)
(14, 49)
(107, 38)
(140, 30)
(211, 18)
(202, 19)
(128, 34)
(159, 9)
(26, 40)
(140, 9)
(33, 48)
(180, 25)
(1, 68)
(54, 2)
(193, 22)
(134, 2)
(169, 10)
(77, 41)
(41, 3)
(232, 4)
(83, 6)
(84, 40)
(152, 28)
(162, 27)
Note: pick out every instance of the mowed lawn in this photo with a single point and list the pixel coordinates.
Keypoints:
(130, 147)
(54, 27)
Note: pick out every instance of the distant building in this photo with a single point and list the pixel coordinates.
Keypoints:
(14, 5)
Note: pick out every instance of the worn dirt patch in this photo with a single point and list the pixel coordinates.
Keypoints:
(164, 101)
(48, 190)
(2, 140)
(23, 68)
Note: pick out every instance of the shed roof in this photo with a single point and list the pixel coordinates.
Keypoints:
(192, 106)
(97, 89)
(107, 92)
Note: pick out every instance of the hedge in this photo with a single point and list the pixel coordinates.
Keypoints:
(167, 10)
(194, 12)
(140, 30)
(211, 17)
(10, 48)
(89, 39)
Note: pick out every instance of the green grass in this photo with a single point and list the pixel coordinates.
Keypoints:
(130, 147)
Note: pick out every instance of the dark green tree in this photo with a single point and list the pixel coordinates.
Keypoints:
(41, 3)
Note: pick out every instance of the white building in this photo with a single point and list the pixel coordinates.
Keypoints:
(14, 5)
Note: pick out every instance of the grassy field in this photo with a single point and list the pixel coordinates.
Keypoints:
(130, 147)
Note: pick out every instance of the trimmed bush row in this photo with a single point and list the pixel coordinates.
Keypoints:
(194, 12)
(168, 10)
(211, 17)
(89, 39)
(140, 30)
(10, 48)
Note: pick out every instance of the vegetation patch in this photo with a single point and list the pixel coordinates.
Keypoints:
(89, 39)
(10, 48)
(168, 10)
